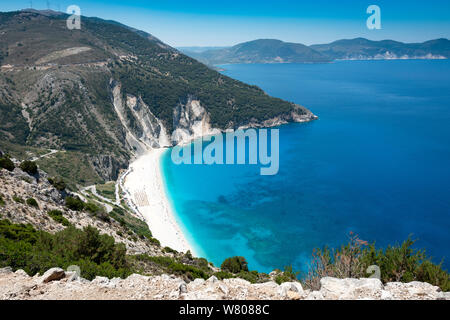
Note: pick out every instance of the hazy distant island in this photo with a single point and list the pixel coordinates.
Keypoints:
(276, 51)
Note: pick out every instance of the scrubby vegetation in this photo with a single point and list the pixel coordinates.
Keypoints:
(107, 190)
(170, 250)
(96, 211)
(235, 264)
(72, 167)
(2, 202)
(22, 247)
(237, 267)
(287, 275)
(6, 163)
(400, 263)
(58, 183)
(139, 227)
(74, 203)
(18, 199)
(58, 217)
(32, 203)
(29, 167)
(174, 266)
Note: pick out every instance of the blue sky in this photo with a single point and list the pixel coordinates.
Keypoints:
(227, 22)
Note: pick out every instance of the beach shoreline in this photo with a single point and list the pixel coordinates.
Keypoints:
(145, 188)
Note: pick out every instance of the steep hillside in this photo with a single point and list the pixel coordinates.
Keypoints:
(363, 49)
(261, 51)
(107, 91)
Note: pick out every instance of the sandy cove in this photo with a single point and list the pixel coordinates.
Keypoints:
(145, 187)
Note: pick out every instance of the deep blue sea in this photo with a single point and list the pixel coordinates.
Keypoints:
(376, 163)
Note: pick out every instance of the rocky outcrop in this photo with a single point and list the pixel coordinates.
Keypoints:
(131, 137)
(107, 166)
(299, 115)
(56, 284)
(191, 121)
(151, 129)
(53, 275)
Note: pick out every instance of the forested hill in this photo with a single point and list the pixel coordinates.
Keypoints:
(260, 51)
(56, 88)
(276, 51)
(362, 49)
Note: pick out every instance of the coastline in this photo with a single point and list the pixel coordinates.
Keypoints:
(145, 187)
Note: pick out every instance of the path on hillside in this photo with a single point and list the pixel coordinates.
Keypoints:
(107, 203)
(45, 155)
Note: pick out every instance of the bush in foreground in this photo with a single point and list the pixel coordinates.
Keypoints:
(22, 247)
(288, 275)
(401, 263)
(235, 265)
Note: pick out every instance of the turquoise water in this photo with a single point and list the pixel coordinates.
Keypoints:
(376, 163)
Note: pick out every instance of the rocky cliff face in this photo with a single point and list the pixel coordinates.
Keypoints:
(191, 121)
(144, 131)
(56, 284)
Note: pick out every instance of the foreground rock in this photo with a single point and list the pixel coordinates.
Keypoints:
(53, 275)
(56, 284)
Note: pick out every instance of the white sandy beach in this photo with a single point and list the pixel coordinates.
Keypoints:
(145, 186)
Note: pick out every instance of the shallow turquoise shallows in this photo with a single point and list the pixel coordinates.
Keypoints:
(376, 163)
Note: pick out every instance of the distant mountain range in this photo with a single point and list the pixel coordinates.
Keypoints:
(260, 51)
(363, 49)
(276, 51)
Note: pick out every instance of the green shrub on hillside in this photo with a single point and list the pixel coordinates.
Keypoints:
(2, 202)
(107, 190)
(221, 275)
(29, 167)
(403, 263)
(91, 207)
(7, 164)
(400, 263)
(58, 183)
(57, 216)
(126, 220)
(22, 247)
(32, 203)
(172, 266)
(96, 211)
(235, 265)
(288, 275)
(74, 203)
(170, 250)
(18, 199)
